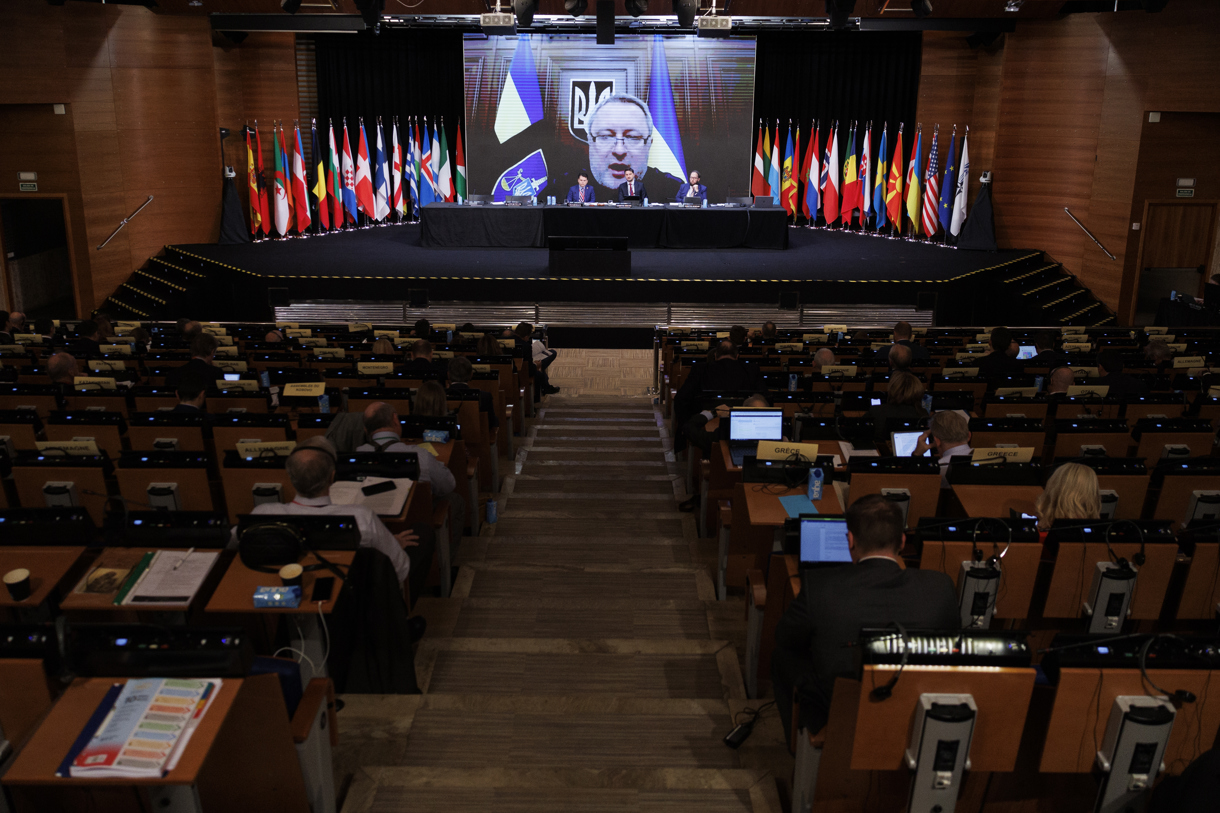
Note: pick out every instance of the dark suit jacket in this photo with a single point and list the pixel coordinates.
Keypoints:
(639, 189)
(486, 403)
(574, 194)
(1122, 385)
(423, 365)
(197, 367)
(684, 192)
(723, 375)
(918, 351)
(999, 365)
(87, 347)
(883, 415)
(835, 603)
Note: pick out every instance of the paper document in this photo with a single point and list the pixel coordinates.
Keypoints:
(163, 584)
(387, 503)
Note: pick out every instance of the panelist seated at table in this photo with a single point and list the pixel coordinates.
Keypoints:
(582, 192)
(631, 188)
(815, 638)
(311, 470)
(694, 189)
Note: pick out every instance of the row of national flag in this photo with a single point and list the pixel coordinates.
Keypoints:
(342, 185)
(863, 184)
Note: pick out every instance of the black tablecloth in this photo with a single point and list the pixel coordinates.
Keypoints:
(453, 226)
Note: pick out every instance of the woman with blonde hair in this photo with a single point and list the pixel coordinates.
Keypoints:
(488, 345)
(430, 400)
(1071, 492)
(383, 347)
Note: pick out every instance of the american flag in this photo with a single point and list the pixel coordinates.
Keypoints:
(931, 194)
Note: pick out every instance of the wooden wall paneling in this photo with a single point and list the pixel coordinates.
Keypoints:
(986, 113)
(142, 39)
(31, 53)
(948, 75)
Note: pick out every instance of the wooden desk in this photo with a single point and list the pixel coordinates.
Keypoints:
(1073, 575)
(125, 558)
(758, 517)
(1018, 570)
(235, 593)
(924, 488)
(1201, 592)
(1081, 712)
(996, 501)
(48, 566)
(241, 756)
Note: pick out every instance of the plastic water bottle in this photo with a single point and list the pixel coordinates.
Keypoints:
(815, 485)
(324, 404)
(448, 337)
(791, 382)
(927, 403)
(645, 201)
(533, 200)
(493, 513)
(704, 204)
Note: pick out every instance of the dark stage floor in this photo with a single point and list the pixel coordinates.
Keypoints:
(813, 255)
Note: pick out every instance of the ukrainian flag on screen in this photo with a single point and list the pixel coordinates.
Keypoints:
(520, 99)
(666, 151)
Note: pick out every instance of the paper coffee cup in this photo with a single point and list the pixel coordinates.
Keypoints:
(18, 583)
(290, 575)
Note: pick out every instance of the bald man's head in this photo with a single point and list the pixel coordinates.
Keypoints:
(1061, 379)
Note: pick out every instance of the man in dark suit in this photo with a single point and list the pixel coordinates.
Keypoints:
(582, 192)
(422, 361)
(694, 189)
(902, 336)
(1047, 355)
(1110, 374)
(87, 339)
(460, 372)
(203, 350)
(723, 374)
(999, 363)
(815, 638)
(631, 187)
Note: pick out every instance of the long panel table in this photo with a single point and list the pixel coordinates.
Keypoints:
(449, 225)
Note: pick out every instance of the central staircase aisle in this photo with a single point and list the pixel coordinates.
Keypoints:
(582, 662)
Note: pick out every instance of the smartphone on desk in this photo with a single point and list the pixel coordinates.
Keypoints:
(323, 588)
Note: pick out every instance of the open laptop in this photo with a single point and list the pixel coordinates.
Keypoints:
(823, 540)
(904, 443)
(748, 426)
(1027, 351)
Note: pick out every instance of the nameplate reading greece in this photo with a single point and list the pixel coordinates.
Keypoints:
(770, 450)
(76, 446)
(1017, 454)
(280, 448)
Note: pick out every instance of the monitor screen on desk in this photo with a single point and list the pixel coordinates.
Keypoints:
(824, 539)
(1027, 351)
(756, 424)
(904, 444)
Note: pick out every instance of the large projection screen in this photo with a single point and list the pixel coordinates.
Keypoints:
(542, 107)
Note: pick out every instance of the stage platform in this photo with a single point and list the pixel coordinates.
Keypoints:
(821, 266)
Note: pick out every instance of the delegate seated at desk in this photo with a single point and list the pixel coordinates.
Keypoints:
(311, 470)
(582, 192)
(814, 639)
(631, 187)
(694, 189)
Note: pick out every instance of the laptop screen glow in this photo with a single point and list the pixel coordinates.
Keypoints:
(756, 424)
(824, 539)
(1027, 351)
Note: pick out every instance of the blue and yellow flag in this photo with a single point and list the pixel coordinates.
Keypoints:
(520, 98)
(665, 153)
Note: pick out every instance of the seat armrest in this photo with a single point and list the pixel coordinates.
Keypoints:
(756, 588)
(440, 512)
(318, 693)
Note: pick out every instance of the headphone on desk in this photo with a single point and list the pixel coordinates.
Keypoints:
(884, 691)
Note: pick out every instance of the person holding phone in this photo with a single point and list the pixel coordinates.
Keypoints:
(947, 436)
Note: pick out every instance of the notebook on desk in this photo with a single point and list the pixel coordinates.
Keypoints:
(748, 426)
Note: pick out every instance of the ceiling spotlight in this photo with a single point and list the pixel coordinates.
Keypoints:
(525, 9)
(636, 7)
(686, 11)
(1014, 5)
(922, 8)
(839, 12)
(575, 7)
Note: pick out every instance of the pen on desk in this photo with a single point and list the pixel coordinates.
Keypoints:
(184, 558)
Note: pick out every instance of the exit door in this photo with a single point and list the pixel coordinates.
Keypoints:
(36, 263)
(1175, 252)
